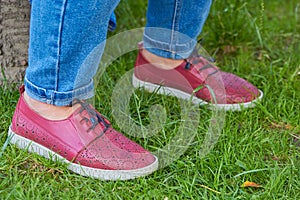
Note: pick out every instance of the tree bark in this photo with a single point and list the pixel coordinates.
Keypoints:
(14, 34)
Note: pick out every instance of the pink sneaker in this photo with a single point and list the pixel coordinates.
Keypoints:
(85, 140)
(188, 76)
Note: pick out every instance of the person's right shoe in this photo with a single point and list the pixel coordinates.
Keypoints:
(85, 140)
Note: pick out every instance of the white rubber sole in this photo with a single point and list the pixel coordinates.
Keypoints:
(34, 147)
(137, 83)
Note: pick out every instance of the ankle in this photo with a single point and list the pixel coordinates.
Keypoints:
(160, 62)
(50, 112)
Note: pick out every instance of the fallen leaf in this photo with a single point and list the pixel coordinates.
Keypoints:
(259, 55)
(275, 158)
(229, 49)
(281, 125)
(251, 184)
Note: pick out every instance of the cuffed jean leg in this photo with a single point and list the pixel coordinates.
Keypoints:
(173, 26)
(67, 38)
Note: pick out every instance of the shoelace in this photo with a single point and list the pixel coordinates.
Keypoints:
(196, 58)
(94, 117)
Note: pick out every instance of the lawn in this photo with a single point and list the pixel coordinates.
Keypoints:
(257, 40)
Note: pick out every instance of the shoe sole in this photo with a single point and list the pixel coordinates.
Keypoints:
(160, 89)
(102, 174)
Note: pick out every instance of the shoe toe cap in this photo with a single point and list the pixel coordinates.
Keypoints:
(238, 90)
(114, 151)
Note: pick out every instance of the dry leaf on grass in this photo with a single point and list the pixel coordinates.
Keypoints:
(281, 125)
(251, 184)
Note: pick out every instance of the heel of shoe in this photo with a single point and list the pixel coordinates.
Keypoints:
(31, 146)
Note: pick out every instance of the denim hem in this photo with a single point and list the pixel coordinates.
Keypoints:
(58, 98)
(164, 49)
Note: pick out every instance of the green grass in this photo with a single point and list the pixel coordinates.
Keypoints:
(257, 40)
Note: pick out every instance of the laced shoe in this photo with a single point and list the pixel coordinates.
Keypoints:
(85, 140)
(194, 73)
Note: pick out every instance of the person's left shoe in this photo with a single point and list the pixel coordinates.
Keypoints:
(192, 78)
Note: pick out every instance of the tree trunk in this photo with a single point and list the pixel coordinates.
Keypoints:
(14, 32)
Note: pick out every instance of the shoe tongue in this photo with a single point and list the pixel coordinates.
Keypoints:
(88, 127)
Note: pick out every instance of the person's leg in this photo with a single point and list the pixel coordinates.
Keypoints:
(169, 55)
(66, 42)
(173, 26)
(52, 117)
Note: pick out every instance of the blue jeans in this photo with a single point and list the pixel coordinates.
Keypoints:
(63, 33)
